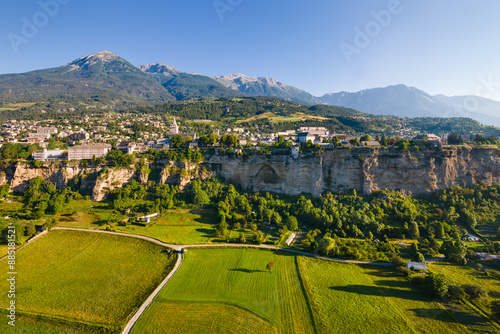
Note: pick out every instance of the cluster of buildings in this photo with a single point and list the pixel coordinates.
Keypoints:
(91, 136)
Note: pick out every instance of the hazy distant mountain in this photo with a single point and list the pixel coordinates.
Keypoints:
(404, 101)
(187, 86)
(100, 76)
(266, 87)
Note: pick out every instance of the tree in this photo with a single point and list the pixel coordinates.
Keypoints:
(177, 141)
(229, 140)
(270, 266)
(259, 237)
(366, 138)
(292, 223)
(471, 221)
(439, 230)
(383, 140)
(30, 229)
(414, 232)
(50, 223)
(418, 257)
(354, 142)
(498, 234)
(436, 285)
(326, 245)
(475, 292)
(454, 250)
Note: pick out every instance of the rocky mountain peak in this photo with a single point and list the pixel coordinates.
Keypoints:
(157, 68)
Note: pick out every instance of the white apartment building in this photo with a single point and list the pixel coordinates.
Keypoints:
(88, 151)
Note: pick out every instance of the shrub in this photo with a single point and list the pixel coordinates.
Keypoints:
(474, 292)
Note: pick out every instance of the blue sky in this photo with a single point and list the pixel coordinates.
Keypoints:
(447, 46)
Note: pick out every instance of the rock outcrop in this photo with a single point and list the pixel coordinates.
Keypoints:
(363, 169)
(339, 170)
(111, 179)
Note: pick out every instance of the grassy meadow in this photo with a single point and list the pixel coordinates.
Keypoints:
(90, 278)
(227, 290)
(226, 280)
(461, 275)
(348, 298)
(179, 226)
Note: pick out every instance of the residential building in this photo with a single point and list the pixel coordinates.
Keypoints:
(159, 144)
(99, 128)
(127, 147)
(50, 130)
(48, 155)
(471, 237)
(42, 136)
(416, 266)
(370, 143)
(88, 151)
(305, 137)
(79, 135)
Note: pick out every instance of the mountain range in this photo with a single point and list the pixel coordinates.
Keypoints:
(106, 78)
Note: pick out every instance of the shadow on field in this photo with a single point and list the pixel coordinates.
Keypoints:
(430, 313)
(248, 271)
(207, 233)
(383, 272)
(392, 284)
(379, 291)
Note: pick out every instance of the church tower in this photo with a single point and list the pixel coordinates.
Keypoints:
(174, 128)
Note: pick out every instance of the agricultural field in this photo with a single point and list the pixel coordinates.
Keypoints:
(347, 297)
(78, 280)
(179, 226)
(298, 117)
(461, 275)
(230, 291)
(86, 214)
(214, 284)
(176, 226)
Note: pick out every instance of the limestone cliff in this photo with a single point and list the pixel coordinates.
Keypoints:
(111, 179)
(363, 169)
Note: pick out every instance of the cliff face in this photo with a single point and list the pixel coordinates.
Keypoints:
(21, 174)
(98, 181)
(112, 179)
(337, 170)
(362, 169)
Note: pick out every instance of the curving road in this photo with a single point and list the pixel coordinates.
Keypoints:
(179, 249)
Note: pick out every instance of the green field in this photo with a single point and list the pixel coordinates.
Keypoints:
(230, 291)
(460, 275)
(348, 298)
(234, 283)
(177, 226)
(86, 278)
(181, 227)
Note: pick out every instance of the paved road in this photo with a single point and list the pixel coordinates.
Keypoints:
(179, 249)
(148, 301)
